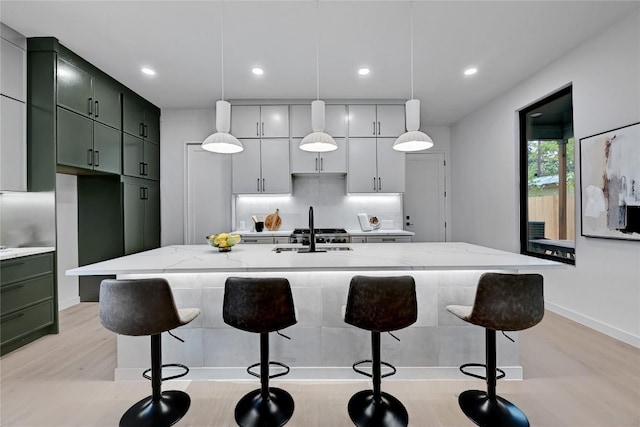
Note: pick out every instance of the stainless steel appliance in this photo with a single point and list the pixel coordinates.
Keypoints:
(322, 235)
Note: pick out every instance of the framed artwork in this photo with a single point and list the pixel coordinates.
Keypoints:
(610, 184)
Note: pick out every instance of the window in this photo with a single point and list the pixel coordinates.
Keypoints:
(547, 190)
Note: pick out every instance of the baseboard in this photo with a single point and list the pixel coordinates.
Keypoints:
(592, 323)
(70, 302)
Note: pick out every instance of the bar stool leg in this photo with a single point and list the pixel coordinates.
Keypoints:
(161, 408)
(267, 406)
(375, 407)
(487, 409)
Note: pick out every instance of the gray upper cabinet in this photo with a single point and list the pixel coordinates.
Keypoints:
(262, 167)
(367, 121)
(335, 120)
(140, 119)
(260, 121)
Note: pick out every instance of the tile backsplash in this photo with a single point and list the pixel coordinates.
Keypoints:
(331, 205)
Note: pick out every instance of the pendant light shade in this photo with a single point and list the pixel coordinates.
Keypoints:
(413, 139)
(222, 141)
(318, 141)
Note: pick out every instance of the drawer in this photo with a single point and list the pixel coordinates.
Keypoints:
(21, 294)
(20, 323)
(258, 240)
(18, 269)
(389, 239)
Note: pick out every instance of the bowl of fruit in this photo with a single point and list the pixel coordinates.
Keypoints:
(223, 241)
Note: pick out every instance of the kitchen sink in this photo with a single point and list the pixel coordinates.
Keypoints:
(279, 249)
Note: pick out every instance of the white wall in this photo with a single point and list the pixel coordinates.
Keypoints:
(603, 289)
(67, 239)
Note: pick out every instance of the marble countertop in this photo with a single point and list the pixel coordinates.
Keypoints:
(11, 253)
(363, 257)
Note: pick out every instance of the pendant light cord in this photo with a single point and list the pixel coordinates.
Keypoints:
(411, 26)
(222, 44)
(317, 50)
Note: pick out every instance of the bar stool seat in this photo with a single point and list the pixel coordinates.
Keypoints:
(379, 304)
(503, 302)
(146, 307)
(261, 305)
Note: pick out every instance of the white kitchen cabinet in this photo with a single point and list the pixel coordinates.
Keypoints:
(358, 239)
(266, 240)
(375, 167)
(13, 145)
(260, 121)
(262, 168)
(329, 162)
(335, 120)
(388, 239)
(13, 76)
(376, 120)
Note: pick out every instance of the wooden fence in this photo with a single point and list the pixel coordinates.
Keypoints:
(545, 208)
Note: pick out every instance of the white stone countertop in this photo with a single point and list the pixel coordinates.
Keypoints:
(363, 257)
(11, 253)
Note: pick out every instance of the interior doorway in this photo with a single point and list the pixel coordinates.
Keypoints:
(425, 196)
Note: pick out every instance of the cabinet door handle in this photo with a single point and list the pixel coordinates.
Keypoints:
(263, 187)
(90, 106)
(141, 169)
(90, 157)
(12, 317)
(388, 239)
(374, 183)
(262, 128)
(258, 185)
(97, 108)
(257, 129)
(378, 128)
(141, 129)
(141, 193)
(96, 158)
(379, 184)
(321, 164)
(145, 169)
(146, 193)
(250, 240)
(374, 128)
(316, 163)
(11, 288)
(146, 130)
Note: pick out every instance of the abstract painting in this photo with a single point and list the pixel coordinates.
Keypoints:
(610, 183)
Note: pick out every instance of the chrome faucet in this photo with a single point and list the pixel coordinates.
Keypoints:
(312, 234)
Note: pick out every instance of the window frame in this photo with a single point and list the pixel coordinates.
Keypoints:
(524, 176)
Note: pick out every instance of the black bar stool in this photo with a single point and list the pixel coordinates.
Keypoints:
(146, 307)
(261, 305)
(504, 302)
(379, 304)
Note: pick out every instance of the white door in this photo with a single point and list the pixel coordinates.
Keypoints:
(208, 194)
(245, 121)
(390, 120)
(362, 121)
(246, 168)
(362, 175)
(424, 199)
(391, 167)
(276, 175)
(275, 121)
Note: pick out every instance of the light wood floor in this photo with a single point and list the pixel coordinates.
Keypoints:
(574, 377)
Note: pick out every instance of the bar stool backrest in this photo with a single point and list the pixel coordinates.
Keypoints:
(261, 304)
(381, 304)
(508, 302)
(138, 307)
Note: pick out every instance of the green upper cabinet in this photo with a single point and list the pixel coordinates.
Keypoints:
(140, 119)
(87, 95)
(141, 158)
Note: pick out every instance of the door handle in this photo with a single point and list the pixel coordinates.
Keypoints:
(263, 187)
(90, 106)
(145, 169)
(374, 183)
(374, 128)
(96, 157)
(321, 165)
(90, 157)
(11, 288)
(97, 108)
(145, 132)
(379, 184)
(141, 193)
(258, 185)
(141, 129)
(378, 128)
(12, 317)
(316, 163)
(262, 128)
(141, 169)
(409, 224)
(257, 129)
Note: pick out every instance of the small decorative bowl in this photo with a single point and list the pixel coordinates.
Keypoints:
(223, 241)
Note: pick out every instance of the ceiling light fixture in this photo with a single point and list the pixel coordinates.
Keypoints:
(257, 71)
(413, 139)
(148, 71)
(318, 141)
(470, 71)
(364, 71)
(222, 141)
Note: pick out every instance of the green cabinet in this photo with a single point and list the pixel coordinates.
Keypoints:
(141, 207)
(84, 143)
(28, 306)
(141, 158)
(140, 119)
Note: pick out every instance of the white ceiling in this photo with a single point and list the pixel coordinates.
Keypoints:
(507, 40)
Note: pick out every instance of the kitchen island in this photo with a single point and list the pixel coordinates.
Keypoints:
(322, 345)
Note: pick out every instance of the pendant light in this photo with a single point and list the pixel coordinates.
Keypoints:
(413, 139)
(318, 141)
(222, 141)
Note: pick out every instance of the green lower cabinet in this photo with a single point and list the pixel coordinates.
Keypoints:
(141, 202)
(28, 302)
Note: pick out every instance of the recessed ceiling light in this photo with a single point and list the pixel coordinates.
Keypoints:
(363, 71)
(470, 71)
(148, 71)
(536, 114)
(257, 71)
